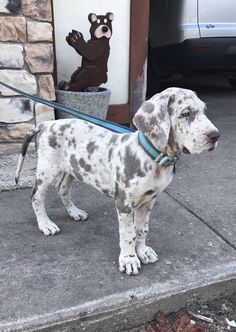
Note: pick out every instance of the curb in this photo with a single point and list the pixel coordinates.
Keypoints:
(121, 313)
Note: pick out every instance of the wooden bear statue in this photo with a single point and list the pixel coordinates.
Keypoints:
(94, 52)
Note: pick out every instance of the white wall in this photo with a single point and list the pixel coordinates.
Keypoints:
(73, 14)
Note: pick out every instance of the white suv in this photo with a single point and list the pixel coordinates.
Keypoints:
(192, 35)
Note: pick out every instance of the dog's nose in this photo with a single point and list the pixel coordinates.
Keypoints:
(104, 29)
(214, 136)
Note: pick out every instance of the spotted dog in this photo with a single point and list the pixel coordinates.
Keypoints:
(117, 165)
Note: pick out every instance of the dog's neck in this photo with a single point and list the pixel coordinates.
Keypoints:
(172, 147)
(159, 156)
(171, 151)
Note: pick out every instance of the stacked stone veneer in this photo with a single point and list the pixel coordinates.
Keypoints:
(26, 62)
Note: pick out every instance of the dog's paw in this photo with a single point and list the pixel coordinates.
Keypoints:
(77, 214)
(48, 227)
(130, 264)
(146, 254)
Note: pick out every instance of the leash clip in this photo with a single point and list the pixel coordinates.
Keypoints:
(164, 160)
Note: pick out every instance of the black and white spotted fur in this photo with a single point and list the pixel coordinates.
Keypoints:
(117, 165)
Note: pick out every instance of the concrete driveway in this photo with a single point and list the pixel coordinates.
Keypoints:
(71, 282)
(207, 186)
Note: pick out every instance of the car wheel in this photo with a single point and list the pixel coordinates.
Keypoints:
(232, 81)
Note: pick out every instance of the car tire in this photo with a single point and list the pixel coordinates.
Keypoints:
(232, 82)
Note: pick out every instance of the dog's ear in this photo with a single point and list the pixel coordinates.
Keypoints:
(92, 18)
(153, 120)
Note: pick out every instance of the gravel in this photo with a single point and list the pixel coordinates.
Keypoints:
(8, 164)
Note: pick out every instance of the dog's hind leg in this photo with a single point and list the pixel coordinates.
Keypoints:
(43, 180)
(63, 187)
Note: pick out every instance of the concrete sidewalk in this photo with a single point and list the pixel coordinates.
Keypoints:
(71, 282)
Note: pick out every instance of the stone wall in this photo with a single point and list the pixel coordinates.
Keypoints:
(26, 62)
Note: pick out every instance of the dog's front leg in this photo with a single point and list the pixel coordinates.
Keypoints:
(141, 219)
(128, 259)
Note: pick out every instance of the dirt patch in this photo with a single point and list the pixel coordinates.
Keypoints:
(213, 316)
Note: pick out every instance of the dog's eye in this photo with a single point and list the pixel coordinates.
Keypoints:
(105, 20)
(98, 20)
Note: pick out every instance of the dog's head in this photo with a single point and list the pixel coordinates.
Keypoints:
(175, 120)
(101, 25)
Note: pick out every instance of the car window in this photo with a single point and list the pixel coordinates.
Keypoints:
(217, 11)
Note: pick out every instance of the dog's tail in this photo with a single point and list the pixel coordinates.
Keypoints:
(27, 139)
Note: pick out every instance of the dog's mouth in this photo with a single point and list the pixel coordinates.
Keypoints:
(212, 147)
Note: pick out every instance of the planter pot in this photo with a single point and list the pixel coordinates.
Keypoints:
(93, 103)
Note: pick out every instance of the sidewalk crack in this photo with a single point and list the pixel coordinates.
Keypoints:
(202, 220)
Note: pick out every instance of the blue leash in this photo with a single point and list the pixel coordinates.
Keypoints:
(102, 123)
(159, 157)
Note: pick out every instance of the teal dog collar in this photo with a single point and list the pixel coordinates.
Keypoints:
(156, 155)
